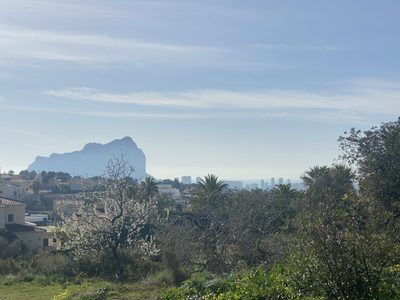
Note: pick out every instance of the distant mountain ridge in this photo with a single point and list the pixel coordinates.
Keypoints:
(92, 158)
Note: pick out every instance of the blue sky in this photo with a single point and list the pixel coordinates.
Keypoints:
(240, 89)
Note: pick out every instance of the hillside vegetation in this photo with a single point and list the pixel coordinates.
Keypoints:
(332, 241)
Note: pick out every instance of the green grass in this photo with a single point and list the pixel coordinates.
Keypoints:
(40, 287)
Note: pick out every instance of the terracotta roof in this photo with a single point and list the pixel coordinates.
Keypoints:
(23, 228)
(6, 202)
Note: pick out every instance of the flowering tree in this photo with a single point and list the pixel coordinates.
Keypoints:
(109, 221)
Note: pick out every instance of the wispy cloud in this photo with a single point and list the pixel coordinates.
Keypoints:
(141, 115)
(39, 136)
(376, 84)
(22, 43)
(103, 9)
(361, 98)
(54, 9)
(323, 116)
(292, 47)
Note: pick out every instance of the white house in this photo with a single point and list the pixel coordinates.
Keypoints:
(12, 218)
(15, 189)
(168, 190)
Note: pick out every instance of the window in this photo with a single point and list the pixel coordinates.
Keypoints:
(45, 242)
(10, 218)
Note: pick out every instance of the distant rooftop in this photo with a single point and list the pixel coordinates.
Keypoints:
(7, 202)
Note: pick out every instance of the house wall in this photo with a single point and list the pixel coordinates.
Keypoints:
(76, 186)
(34, 240)
(167, 189)
(2, 217)
(18, 211)
(15, 189)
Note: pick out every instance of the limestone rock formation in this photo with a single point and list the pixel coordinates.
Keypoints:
(91, 160)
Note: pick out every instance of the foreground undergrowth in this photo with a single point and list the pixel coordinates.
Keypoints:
(276, 283)
(59, 287)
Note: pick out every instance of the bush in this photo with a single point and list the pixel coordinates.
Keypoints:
(50, 264)
(4, 267)
(342, 247)
(159, 279)
(11, 245)
(171, 262)
(137, 266)
(254, 284)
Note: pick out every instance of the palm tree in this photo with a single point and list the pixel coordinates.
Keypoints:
(207, 200)
(339, 178)
(284, 198)
(208, 193)
(342, 179)
(284, 191)
(316, 179)
(150, 188)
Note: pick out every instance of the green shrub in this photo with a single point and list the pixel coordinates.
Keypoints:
(48, 264)
(255, 284)
(342, 248)
(11, 245)
(137, 266)
(27, 278)
(171, 262)
(4, 267)
(159, 279)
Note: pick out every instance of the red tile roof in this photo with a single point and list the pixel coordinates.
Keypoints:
(6, 202)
